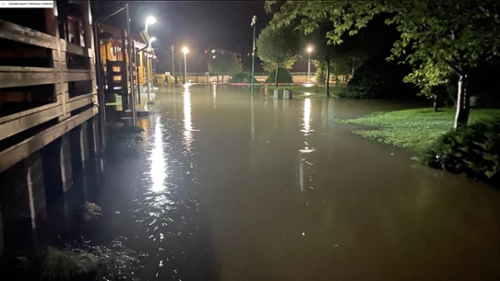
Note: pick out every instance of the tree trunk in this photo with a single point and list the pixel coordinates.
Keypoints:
(435, 103)
(463, 102)
(328, 78)
(352, 67)
(276, 77)
(222, 79)
(321, 73)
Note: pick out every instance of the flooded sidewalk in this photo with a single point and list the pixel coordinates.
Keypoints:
(229, 187)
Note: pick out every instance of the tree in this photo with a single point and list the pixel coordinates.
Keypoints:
(277, 47)
(224, 63)
(323, 55)
(270, 67)
(436, 38)
(284, 76)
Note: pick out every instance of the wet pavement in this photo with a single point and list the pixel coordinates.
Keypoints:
(230, 188)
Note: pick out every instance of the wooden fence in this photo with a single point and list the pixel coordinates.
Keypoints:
(39, 104)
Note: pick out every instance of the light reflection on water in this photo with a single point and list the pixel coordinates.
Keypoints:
(307, 125)
(188, 125)
(307, 117)
(158, 163)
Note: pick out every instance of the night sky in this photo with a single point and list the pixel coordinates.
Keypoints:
(201, 25)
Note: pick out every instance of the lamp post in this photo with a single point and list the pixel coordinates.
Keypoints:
(185, 50)
(173, 65)
(309, 50)
(149, 21)
(254, 21)
(148, 65)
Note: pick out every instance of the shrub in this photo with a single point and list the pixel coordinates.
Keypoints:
(242, 77)
(68, 264)
(354, 92)
(284, 76)
(377, 78)
(473, 150)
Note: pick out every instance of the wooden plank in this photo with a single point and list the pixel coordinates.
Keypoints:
(56, 58)
(75, 49)
(14, 32)
(25, 69)
(77, 75)
(80, 101)
(18, 152)
(28, 121)
(60, 66)
(27, 112)
(62, 88)
(21, 79)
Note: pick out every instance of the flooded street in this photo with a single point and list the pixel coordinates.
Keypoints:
(230, 188)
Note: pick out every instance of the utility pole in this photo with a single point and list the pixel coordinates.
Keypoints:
(173, 64)
(254, 21)
(148, 74)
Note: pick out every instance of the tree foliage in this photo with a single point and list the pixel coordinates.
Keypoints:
(242, 77)
(436, 37)
(277, 47)
(269, 66)
(283, 77)
(473, 151)
(224, 63)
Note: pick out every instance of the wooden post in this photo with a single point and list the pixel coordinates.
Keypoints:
(87, 29)
(123, 72)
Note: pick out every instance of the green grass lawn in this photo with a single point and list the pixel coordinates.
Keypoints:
(414, 129)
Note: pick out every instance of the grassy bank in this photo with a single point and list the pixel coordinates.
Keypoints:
(414, 129)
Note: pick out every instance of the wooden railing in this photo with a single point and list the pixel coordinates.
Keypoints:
(64, 111)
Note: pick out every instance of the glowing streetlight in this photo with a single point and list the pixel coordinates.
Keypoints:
(309, 50)
(185, 50)
(253, 24)
(148, 66)
(151, 40)
(149, 21)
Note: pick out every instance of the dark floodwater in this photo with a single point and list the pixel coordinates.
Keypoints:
(226, 188)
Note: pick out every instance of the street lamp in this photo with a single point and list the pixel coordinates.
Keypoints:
(309, 50)
(254, 22)
(149, 21)
(151, 41)
(148, 62)
(185, 50)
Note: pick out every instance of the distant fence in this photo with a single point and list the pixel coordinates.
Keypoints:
(204, 78)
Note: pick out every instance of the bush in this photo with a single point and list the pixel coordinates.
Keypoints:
(284, 76)
(473, 151)
(68, 264)
(377, 78)
(242, 77)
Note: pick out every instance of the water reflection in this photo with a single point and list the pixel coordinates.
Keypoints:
(252, 118)
(188, 125)
(215, 96)
(307, 117)
(307, 126)
(158, 163)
